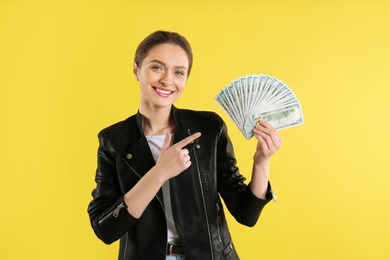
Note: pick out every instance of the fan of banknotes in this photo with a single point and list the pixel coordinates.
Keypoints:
(253, 98)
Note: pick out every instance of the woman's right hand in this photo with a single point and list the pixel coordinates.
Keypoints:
(174, 160)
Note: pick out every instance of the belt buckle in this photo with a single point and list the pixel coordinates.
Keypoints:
(170, 250)
(170, 247)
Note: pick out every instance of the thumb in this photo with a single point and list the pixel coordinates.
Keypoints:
(167, 142)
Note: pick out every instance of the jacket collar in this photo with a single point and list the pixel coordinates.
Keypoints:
(176, 117)
(139, 157)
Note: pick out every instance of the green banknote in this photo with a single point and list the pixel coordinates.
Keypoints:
(252, 98)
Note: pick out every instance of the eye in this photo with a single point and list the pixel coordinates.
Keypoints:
(155, 67)
(180, 73)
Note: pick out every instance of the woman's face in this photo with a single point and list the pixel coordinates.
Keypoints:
(162, 75)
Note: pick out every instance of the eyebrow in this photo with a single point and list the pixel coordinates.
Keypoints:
(162, 63)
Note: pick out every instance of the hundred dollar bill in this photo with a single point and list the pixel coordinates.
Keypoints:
(253, 90)
(223, 103)
(279, 119)
(231, 99)
(239, 95)
(249, 99)
(263, 85)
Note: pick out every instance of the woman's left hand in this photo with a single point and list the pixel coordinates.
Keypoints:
(268, 143)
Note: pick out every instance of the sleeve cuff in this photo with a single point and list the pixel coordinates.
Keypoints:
(268, 196)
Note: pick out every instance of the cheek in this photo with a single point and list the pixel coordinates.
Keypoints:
(149, 76)
(181, 84)
(142, 82)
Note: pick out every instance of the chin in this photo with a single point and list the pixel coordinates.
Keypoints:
(163, 104)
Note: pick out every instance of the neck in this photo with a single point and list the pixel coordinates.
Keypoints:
(157, 120)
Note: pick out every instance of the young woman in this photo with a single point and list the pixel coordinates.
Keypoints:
(160, 171)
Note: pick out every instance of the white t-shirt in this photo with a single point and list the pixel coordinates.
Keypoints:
(155, 143)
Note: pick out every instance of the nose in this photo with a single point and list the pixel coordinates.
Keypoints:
(167, 79)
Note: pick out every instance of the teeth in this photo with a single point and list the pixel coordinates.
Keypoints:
(163, 91)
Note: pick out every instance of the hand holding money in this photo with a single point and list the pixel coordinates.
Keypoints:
(253, 98)
(268, 143)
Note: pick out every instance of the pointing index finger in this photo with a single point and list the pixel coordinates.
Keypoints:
(188, 140)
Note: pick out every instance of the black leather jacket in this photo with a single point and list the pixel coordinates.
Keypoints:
(124, 157)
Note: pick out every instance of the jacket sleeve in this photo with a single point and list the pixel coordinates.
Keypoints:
(238, 197)
(107, 211)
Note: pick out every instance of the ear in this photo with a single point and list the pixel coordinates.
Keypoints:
(135, 71)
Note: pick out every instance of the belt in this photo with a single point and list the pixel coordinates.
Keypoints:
(175, 250)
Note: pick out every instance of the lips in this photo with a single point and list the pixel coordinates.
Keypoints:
(162, 92)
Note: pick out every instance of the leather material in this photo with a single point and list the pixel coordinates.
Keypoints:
(124, 157)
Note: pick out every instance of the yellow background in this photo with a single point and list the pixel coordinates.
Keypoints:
(65, 73)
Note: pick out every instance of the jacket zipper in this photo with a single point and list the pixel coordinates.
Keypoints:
(124, 251)
(139, 176)
(273, 196)
(219, 223)
(203, 200)
(113, 213)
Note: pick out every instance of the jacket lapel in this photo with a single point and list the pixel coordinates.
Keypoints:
(139, 157)
(140, 160)
(181, 131)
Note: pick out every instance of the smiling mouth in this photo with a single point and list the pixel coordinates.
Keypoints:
(163, 92)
